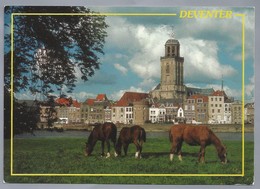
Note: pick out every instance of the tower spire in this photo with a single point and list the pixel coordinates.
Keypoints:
(172, 33)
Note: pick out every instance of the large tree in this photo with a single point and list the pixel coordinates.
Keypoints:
(49, 52)
(67, 43)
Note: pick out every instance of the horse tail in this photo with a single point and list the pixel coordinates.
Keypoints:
(142, 135)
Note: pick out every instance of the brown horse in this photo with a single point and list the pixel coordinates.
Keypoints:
(134, 134)
(195, 135)
(104, 133)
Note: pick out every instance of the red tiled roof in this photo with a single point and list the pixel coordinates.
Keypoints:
(76, 104)
(130, 97)
(101, 97)
(66, 102)
(218, 93)
(62, 101)
(90, 101)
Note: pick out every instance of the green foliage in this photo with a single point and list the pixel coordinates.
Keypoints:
(71, 43)
(25, 117)
(65, 156)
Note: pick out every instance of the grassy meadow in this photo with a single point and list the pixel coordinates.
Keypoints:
(65, 156)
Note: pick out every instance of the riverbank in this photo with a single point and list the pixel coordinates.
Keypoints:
(149, 127)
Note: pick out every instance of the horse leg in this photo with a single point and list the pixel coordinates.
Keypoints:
(137, 153)
(202, 152)
(102, 148)
(141, 148)
(173, 148)
(114, 144)
(108, 148)
(125, 145)
(179, 150)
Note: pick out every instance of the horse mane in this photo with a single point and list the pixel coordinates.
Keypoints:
(90, 138)
(216, 141)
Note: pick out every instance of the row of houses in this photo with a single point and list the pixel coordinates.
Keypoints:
(139, 108)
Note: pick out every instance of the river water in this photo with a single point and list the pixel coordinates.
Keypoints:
(85, 134)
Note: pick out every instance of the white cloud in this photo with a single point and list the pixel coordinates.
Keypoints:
(148, 83)
(81, 96)
(250, 88)
(146, 61)
(146, 45)
(228, 32)
(26, 96)
(199, 39)
(121, 68)
(201, 60)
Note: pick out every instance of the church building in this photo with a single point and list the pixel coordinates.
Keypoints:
(171, 86)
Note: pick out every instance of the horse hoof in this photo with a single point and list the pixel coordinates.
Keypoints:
(171, 157)
(108, 155)
(137, 154)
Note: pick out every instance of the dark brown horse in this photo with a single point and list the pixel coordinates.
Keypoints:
(195, 135)
(104, 133)
(134, 134)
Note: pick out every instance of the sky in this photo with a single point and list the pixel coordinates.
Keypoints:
(211, 49)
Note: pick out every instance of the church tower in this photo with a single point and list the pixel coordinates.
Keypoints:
(171, 85)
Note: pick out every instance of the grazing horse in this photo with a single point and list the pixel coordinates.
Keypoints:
(103, 132)
(195, 135)
(134, 134)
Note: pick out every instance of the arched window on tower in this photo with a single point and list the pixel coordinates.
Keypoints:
(173, 51)
(168, 51)
(167, 68)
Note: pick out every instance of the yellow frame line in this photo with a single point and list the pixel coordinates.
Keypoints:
(130, 175)
(94, 14)
(243, 92)
(121, 14)
(12, 89)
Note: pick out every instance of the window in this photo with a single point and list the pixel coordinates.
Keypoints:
(167, 68)
(199, 100)
(212, 110)
(168, 53)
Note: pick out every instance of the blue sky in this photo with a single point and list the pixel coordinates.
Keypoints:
(211, 49)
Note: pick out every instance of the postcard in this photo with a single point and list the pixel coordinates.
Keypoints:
(129, 95)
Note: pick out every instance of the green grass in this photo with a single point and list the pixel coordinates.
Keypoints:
(65, 156)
